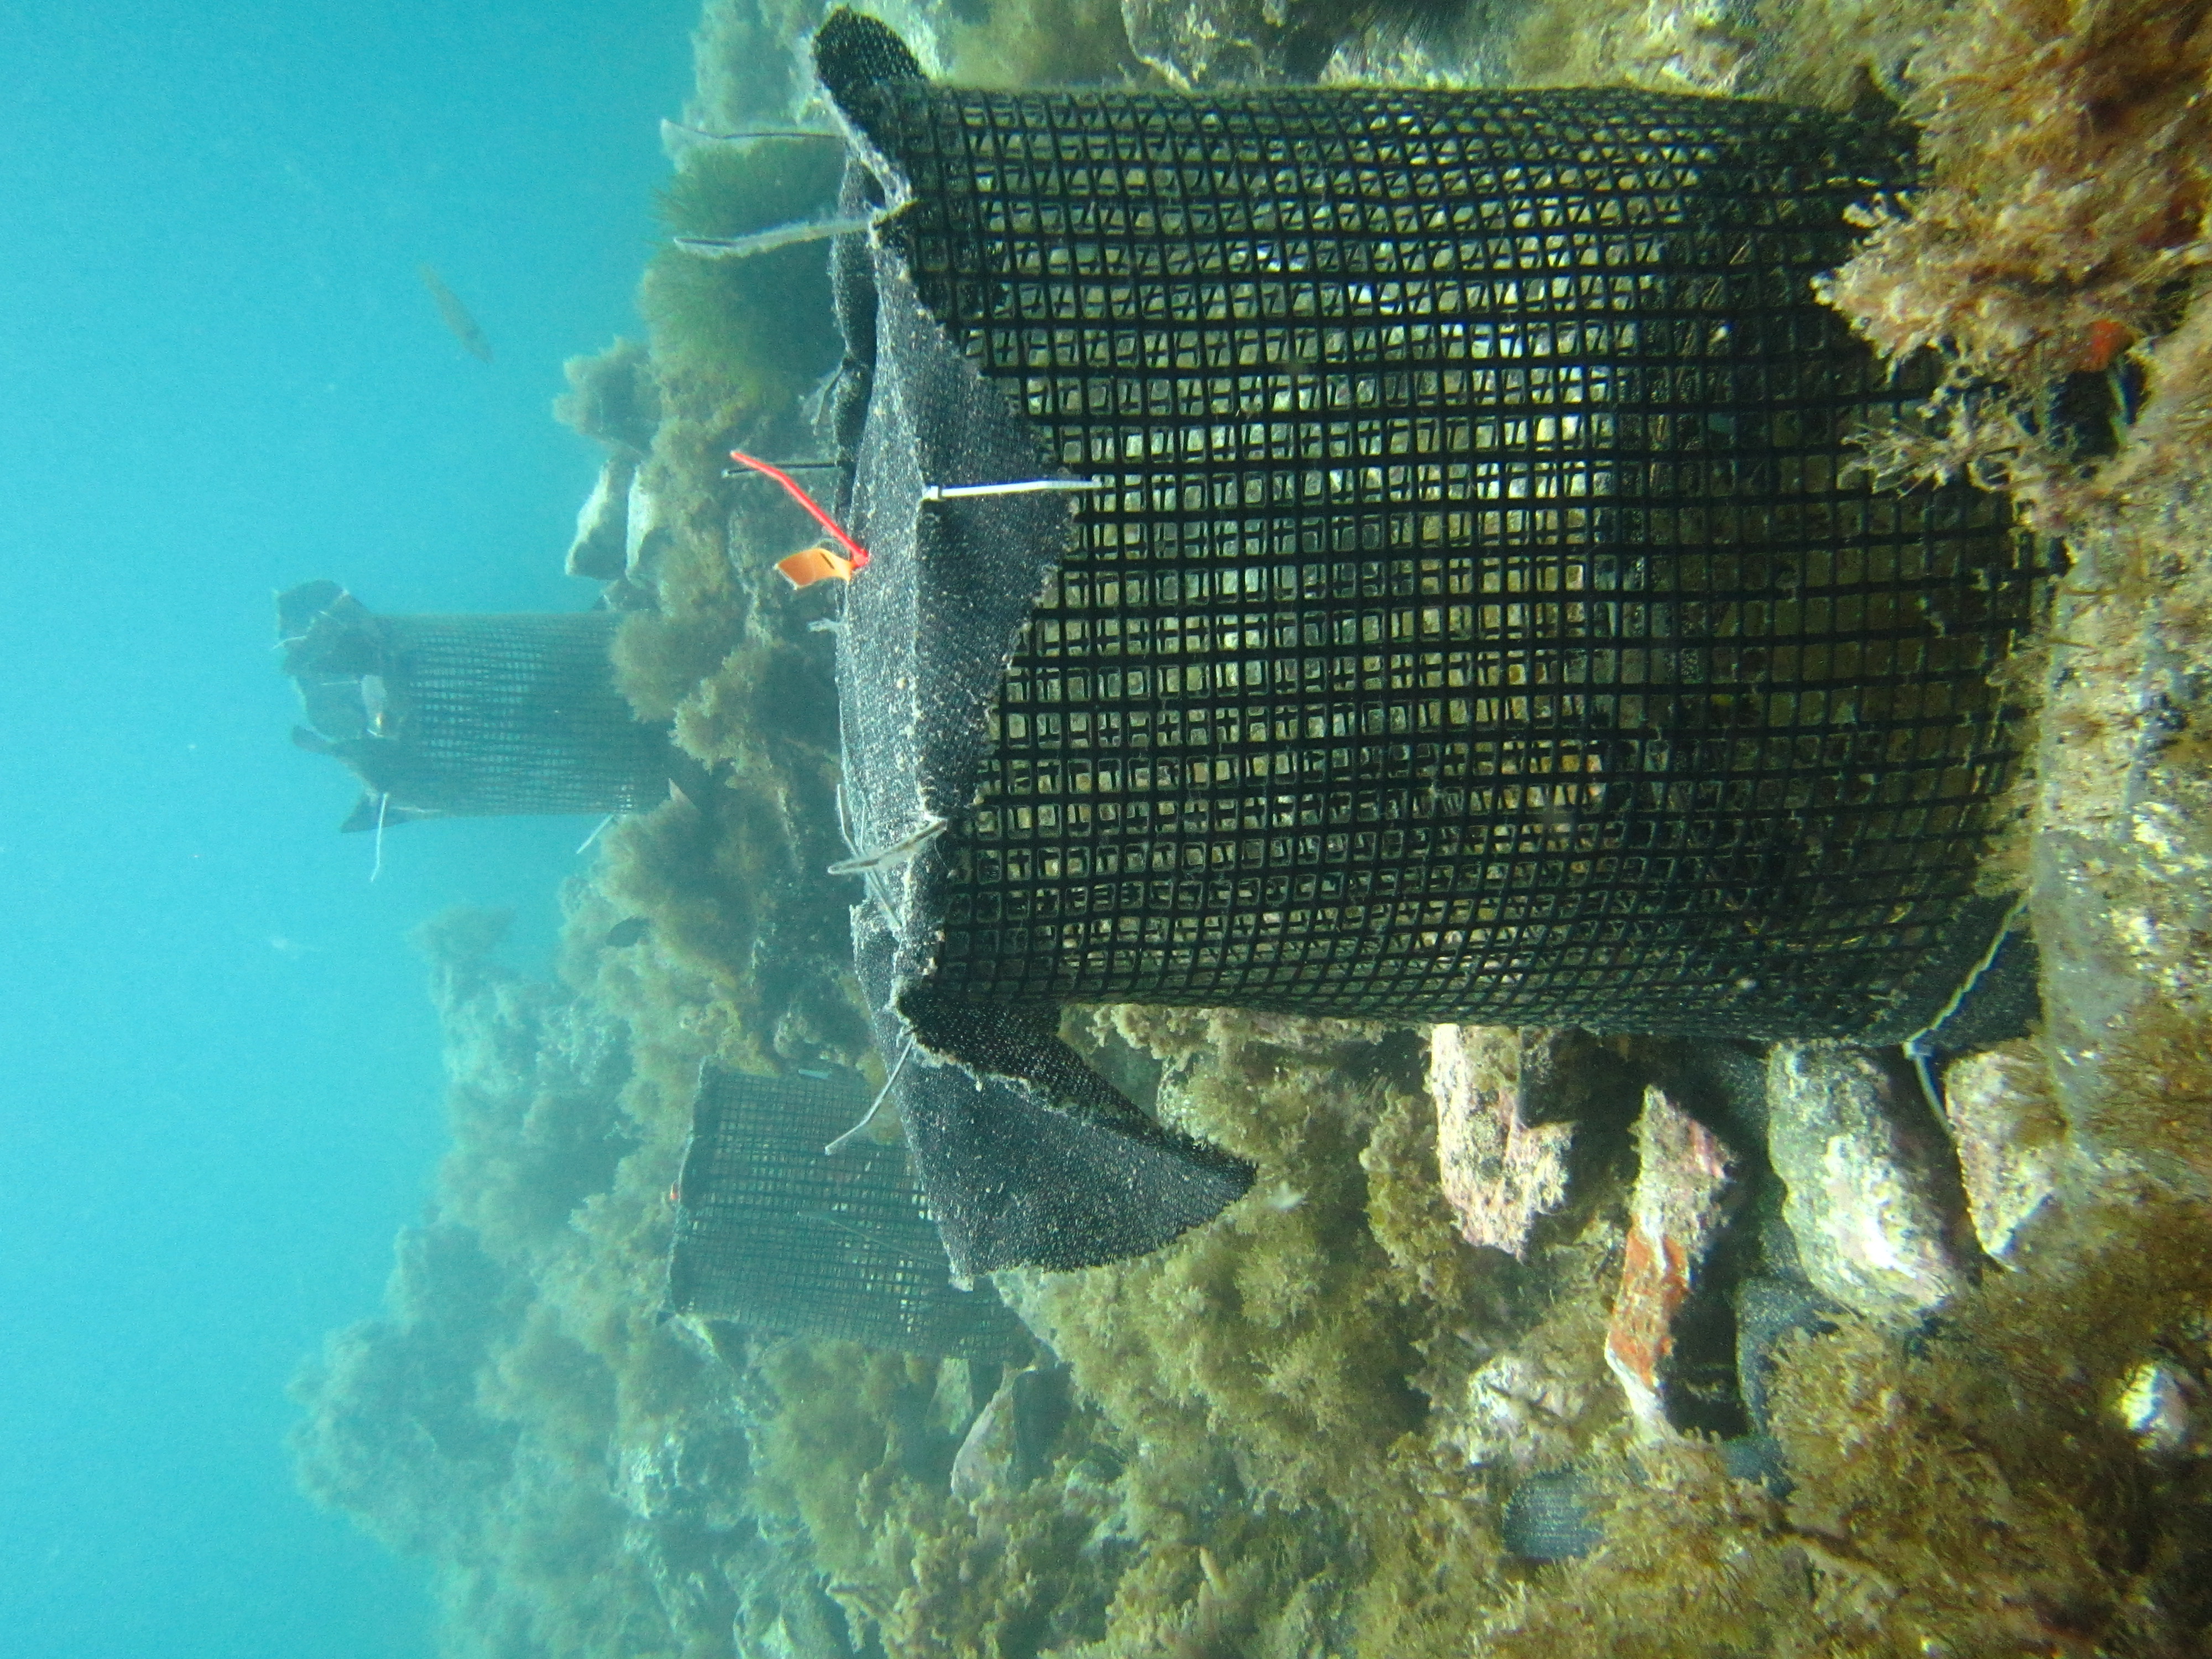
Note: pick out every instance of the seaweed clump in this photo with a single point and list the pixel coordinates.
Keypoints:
(2063, 221)
(516, 1415)
(1968, 1492)
(2055, 266)
(1263, 1455)
(612, 397)
(729, 873)
(1273, 1371)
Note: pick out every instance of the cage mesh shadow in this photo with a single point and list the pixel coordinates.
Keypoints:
(1479, 618)
(775, 1235)
(469, 716)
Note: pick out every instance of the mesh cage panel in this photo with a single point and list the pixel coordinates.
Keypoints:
(773, 1234)
(519, 713)
(471, 716)
(1479, 620)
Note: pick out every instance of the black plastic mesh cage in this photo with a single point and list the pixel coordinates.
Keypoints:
(468, 716)
(1476, 614)
(773, 1234)
(1375, 552)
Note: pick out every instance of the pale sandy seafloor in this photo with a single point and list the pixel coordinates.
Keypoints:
(1293, 1432)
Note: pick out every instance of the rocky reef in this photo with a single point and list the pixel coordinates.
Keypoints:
(1523, 1342)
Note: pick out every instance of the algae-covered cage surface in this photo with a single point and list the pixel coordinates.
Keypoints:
(1476, 619)
(773, 1234)
(470, 717)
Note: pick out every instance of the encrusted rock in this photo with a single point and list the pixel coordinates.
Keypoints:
(1682, 1170)
(1693, 46)
(1520, 1410)
(601, 549)
(988, 1457)
(2162, 1406)
(1498, 1170)
(1199, 43)
(1010, 1443)
(643, 532)
(1844, 1133)
(2009, 1137)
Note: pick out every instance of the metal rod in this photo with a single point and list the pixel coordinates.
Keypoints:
(875, 1105)
(905, 850)
(701, 136)
(1920, 1047)
(376, 861)
(766, 241)
(1022, 487)
(788, 466)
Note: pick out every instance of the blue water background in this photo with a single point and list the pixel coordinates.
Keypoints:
(220, 374)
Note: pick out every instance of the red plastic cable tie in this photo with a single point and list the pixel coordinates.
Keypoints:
(791, 485)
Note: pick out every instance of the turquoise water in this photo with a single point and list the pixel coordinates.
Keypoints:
(222, 375)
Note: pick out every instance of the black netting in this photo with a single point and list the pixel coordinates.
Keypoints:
(773, 1234)
(1475, 616)
(470, 717)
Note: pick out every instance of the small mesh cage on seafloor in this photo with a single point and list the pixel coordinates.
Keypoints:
(774, 1235)
(1473, 615)
(468, 716)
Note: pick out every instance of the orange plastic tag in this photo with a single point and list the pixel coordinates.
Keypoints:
(816, 564)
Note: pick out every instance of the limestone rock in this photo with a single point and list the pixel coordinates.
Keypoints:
(644, 534)
(2010, 1136)
(1693, 46)
(1521, 1410)
(1864, 1201)
(1682, 1170)
(601, 551)
(2162, 1407)
(1199, 43)
(1498, 1171)
(1010, 1443)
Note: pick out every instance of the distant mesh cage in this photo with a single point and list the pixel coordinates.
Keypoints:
(1477, 616)
(775, 1235)
(470, 717)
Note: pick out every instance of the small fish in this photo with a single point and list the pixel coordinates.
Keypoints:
(376, 704)
(465, 327)
(626, 932)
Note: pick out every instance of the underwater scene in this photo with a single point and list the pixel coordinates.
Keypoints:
(1395, 840)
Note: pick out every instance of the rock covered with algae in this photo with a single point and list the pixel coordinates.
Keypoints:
(1848, 1135)
(2010, 1139)
(1682, 1171)
(1499, 1170)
